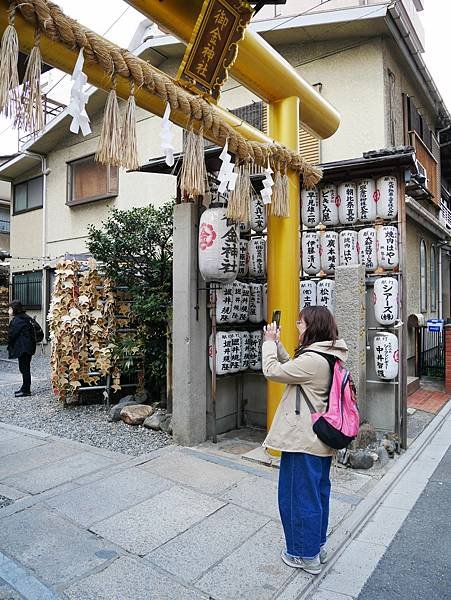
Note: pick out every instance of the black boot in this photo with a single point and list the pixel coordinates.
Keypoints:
(18, 392)
(22, 394)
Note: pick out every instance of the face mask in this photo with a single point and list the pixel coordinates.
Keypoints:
(10, 312)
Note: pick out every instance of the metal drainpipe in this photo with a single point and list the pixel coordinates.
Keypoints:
(45, 171)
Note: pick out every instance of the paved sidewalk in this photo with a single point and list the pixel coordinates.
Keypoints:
(82, 523)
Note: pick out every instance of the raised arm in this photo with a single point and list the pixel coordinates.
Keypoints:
(297, 370)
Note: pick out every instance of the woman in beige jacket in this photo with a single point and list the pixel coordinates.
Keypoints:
(304, 483)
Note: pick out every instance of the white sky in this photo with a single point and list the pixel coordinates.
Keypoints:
(117, 21)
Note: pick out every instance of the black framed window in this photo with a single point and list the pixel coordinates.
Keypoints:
(423, 277)
(27, 195)
(88, 180)
(27, 287)
(433, 276)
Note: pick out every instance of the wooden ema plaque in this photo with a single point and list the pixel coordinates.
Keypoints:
(214, 45)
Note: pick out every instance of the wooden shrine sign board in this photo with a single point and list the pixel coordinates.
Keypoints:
(214, 45)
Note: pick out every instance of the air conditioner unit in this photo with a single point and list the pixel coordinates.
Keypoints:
(422, 176)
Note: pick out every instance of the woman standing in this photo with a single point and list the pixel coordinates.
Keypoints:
(21, 344)
(304, 483)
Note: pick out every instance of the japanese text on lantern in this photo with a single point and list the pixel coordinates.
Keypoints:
(213, 45)
(230, 250)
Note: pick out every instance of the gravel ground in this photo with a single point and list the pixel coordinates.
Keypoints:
(88, 424)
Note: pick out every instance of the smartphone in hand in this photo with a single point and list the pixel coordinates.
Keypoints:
(276, 317)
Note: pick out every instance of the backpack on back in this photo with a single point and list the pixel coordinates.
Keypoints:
(339, 425)
(37, 330)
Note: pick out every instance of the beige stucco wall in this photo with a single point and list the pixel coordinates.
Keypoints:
(68, 225)
(26, 235)
(404, 83)
(351, 79)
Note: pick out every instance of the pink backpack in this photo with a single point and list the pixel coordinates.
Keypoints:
(339, 425)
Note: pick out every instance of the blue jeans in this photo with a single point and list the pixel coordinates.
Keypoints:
(304, 492)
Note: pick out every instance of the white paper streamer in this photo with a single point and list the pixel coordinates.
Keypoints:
(268, 182)
(166, 137)
(227, 176)
(78, 99)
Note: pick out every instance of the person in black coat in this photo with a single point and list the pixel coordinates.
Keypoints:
(21, 344)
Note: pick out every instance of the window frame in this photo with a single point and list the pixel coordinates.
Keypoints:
(27, 305)
(423, 266)
(433, 272)
(69, 178)
(27, 181)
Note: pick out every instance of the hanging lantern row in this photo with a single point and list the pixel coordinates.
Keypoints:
(372, 247)
(349, 202)
(386, 356)
(239, 302)
(236, 351)
(318, 294)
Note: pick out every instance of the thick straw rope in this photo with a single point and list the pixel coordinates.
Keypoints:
(114, 60)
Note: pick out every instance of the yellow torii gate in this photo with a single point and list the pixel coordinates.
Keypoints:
(263, 71)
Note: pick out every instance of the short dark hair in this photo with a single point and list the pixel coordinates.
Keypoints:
(320, 327)
(17, 307)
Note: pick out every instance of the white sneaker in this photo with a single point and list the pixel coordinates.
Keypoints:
(310, 565)
(323, 556)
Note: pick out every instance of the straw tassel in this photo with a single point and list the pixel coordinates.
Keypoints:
(129, 140)
(9, 76)
(31, 117)
(276, 194)
(285, 201)
(109, 151)
(239, 205)
(194, 172)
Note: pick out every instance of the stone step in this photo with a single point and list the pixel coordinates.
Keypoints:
(413, 384)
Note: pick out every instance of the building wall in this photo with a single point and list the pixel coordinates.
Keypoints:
(68, 225)
(404, 83)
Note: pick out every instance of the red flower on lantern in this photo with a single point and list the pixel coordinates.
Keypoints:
(396, 355)
(207, 236)
(337, 200)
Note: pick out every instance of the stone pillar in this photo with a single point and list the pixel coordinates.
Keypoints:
(350, 314)
(189, 332)
(448, 359)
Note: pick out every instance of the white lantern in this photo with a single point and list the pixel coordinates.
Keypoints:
(347, 203)
(224, 303)
(348, 248)
(255, 350)
(245, 298)
(325, 294)
(386, 355)
(218, 246)
(265, 301)
(256, 303)
(386, 300)
(310, 253)
(366, 200)
(329, 208)
(235, 357)
(307, 290)
(257, 257)
(236, 304)
(244, 260)
(328, 250)
(367, 248)
(387, 246)
(387, 194)
(310, 207)
(258, 213)
(223, 352)
(244, 336)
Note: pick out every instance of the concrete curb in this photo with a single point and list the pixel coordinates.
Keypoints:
(343, 536)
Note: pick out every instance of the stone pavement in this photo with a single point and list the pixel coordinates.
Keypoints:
(83, 523)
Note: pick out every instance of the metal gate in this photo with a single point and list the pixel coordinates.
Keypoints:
(432, 353)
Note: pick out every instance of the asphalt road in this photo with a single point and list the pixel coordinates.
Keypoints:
(417, 564)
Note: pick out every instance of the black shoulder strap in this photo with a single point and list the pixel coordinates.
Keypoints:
(331, 360)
